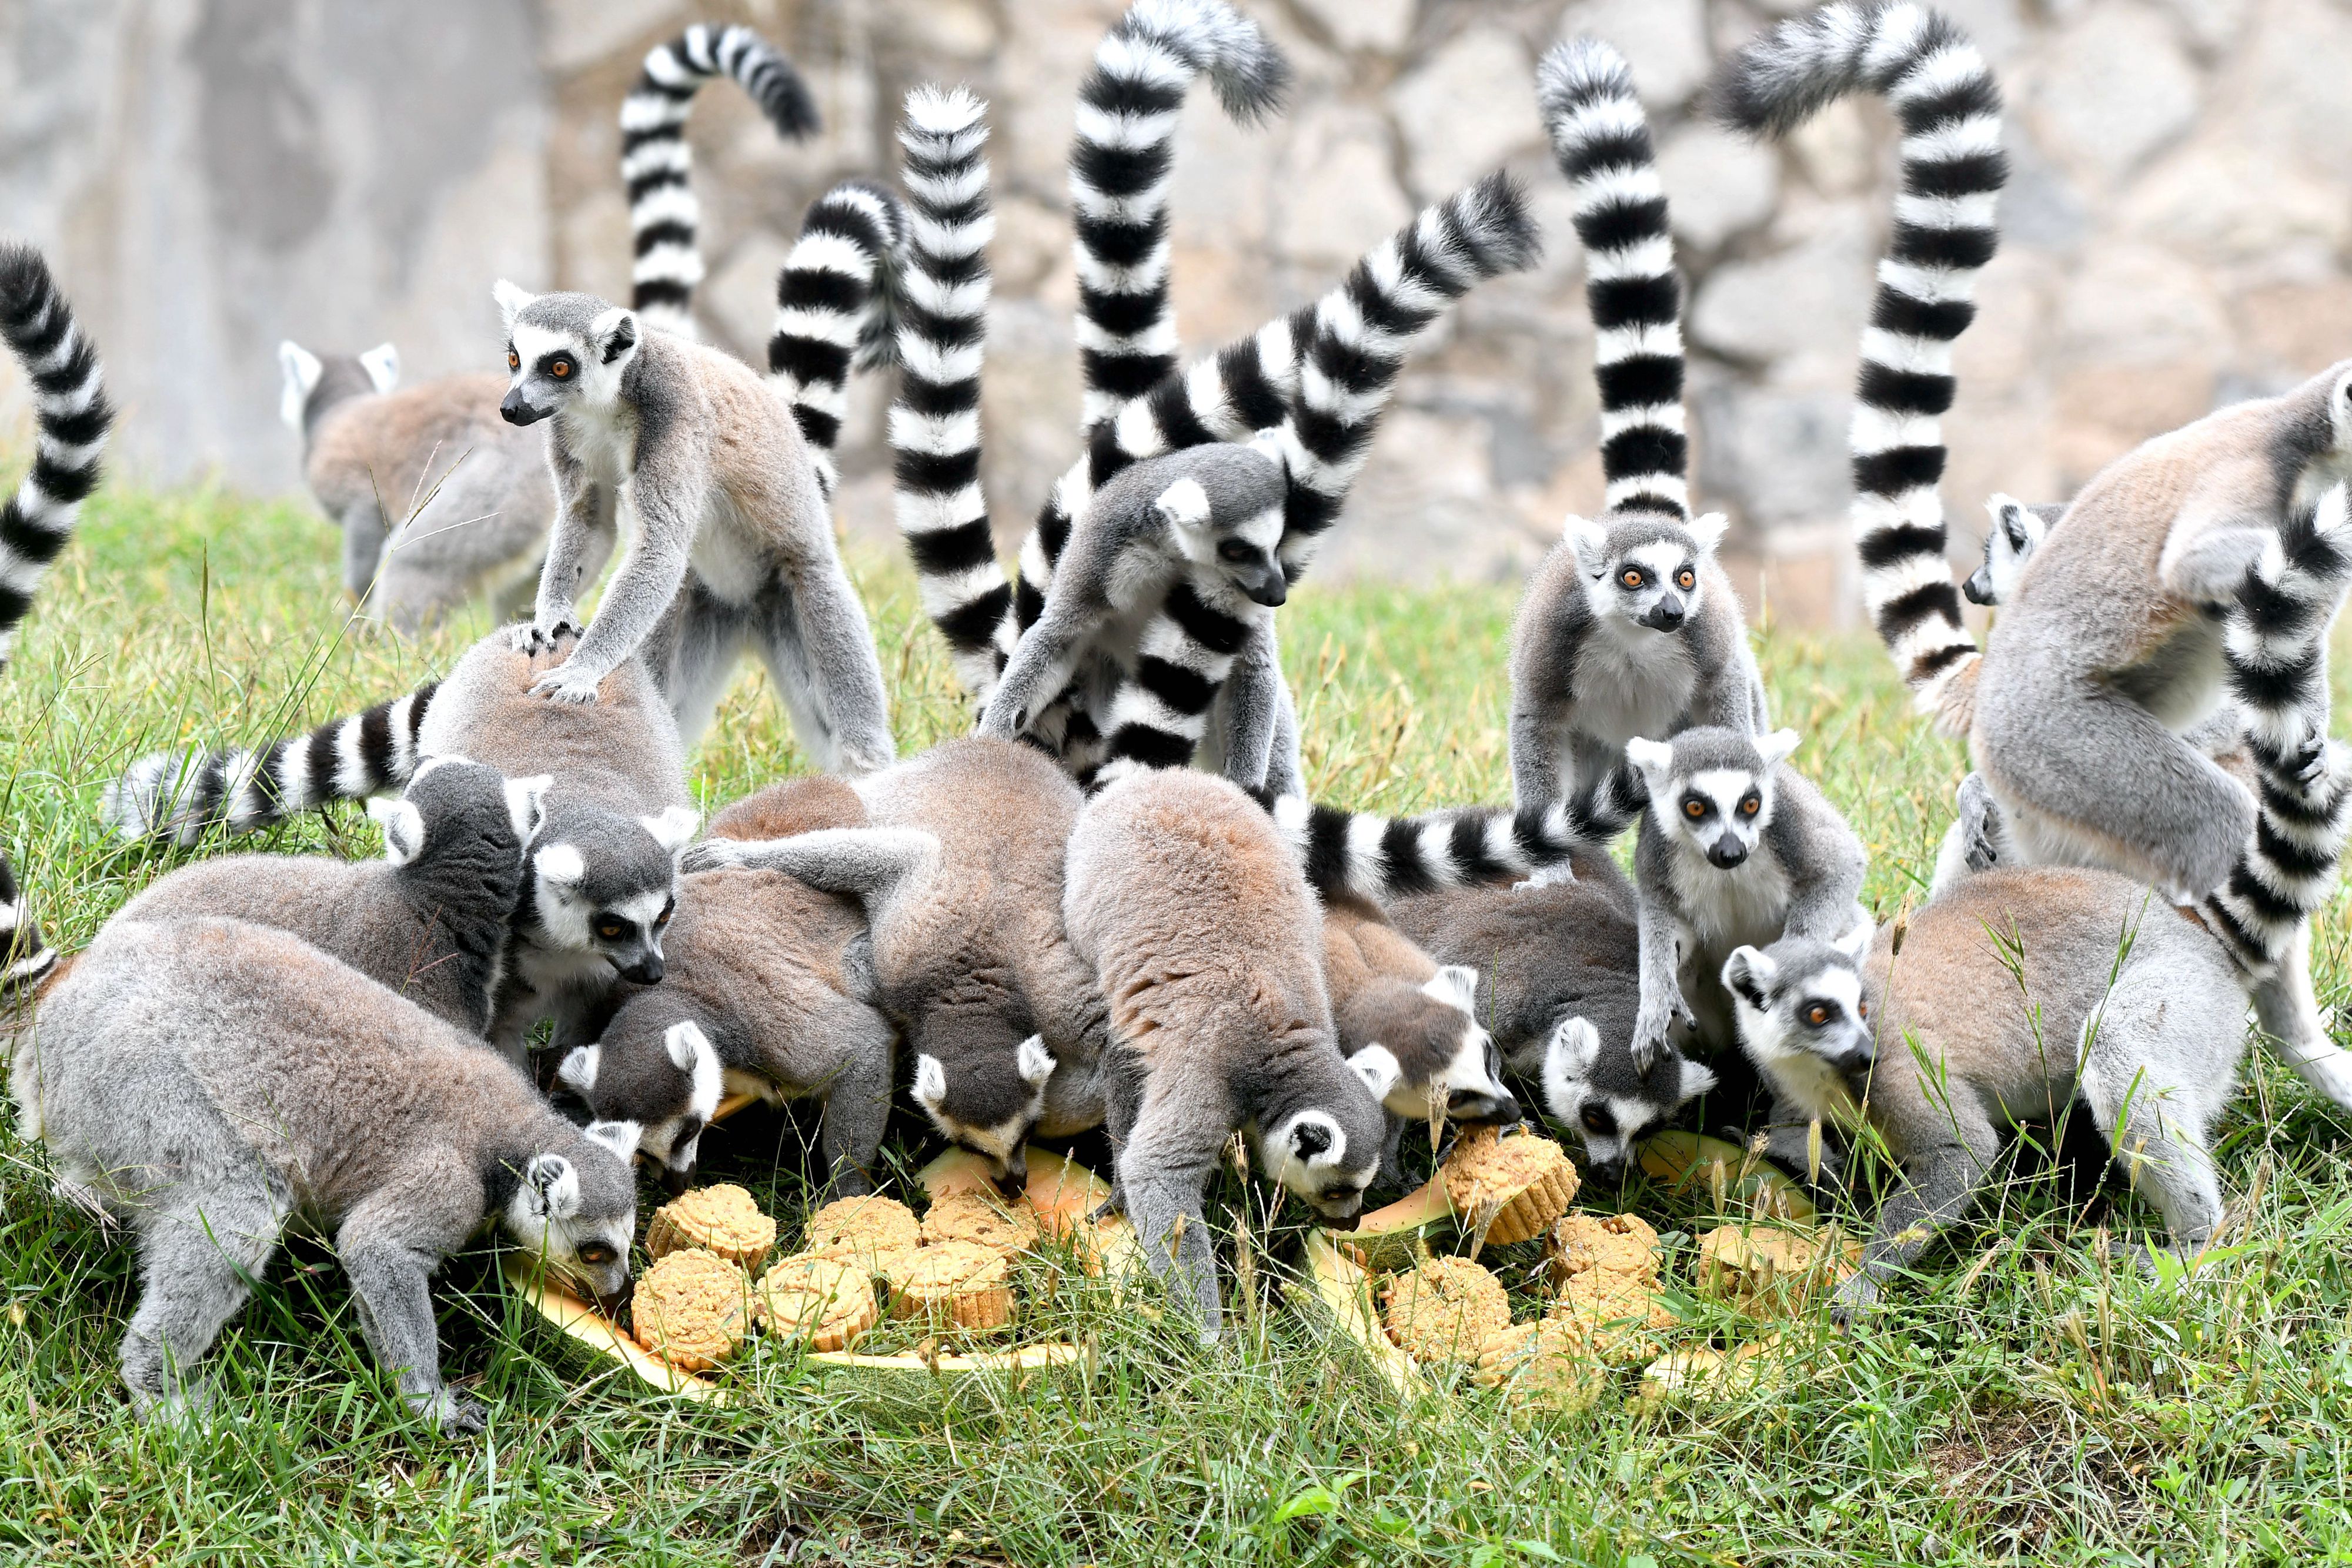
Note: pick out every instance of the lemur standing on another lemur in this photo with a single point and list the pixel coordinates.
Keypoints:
(208, 1081)
(1202, 933)
(603, 869)
(1630, 627)
(432, 920)
(71, 419)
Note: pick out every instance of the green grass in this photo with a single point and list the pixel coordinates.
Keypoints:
(2015, 1400)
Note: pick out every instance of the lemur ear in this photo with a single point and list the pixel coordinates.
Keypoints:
(551, 1187)
(1654, 759)
(621, 1138)
(381, 364)
(1377, 1066)
(1574, 1043)
(1589, 539)
(1182, 505)
(404, 829)
(1748, 974)
(675, 828)
(2011, 522)
(1316, 1141)
(930, 1083)
(617, 330)
(1776, 746)
(1697, 1079)
(577, 1071)
(1856, 942)
(687, 1045)
(527, 804)
(561, 864)
(1707, 530)
(513, 299)
(301, 369)
(1458, 981)
(1034, 1061)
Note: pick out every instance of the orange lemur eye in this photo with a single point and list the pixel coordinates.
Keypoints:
(1751, 805)
(514, 361)
(1631, 576)
(1694, 806)
(1685, 577)
(559, 369)
(1817, 1015)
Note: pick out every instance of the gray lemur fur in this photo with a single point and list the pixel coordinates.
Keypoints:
(439, 500)
(1203, 937)
(767, 993)
(210, 1081)
(431, 919)
(733, 544)
(1629, 628)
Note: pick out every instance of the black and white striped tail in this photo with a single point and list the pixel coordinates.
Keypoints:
(1357, 854)
(71, 419)
(1121, 161)
(1949, 107)
(942, 507)
(658, 168)
(182, 795)
(2274, 646)
(1601, 139)
(836, 310)
(1158, 715)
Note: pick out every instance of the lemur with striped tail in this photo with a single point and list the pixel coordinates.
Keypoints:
(657, 166)
(1630, 627)
(71, 420)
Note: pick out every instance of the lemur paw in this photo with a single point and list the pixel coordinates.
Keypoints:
(710, 854)
(454, 1414)
(534, 638)
(568, 683)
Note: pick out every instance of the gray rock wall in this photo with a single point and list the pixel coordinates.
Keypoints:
(215, 174)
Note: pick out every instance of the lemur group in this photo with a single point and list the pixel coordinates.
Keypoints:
(1113, 905)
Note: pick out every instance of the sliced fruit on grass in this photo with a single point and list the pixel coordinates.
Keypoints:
(583, 1323)
(1342, 1288)
(1737, 1181)
(1386, 1236)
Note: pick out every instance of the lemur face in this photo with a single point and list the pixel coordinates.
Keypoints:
(576, 1208)
(988, 1105)
(1711, 789)
(1451, 1069)
(1241, 549)
(563, 351)
(1310, 1154)
(2016, 533)
(607, 883)
(1595, 1087)
(1644, 571)
(667, 1079)
(1802, 1009)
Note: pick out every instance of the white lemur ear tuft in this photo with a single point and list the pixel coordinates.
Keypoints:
(1775, 747)
(1697, 1079)
(561, 864)
(577, 1071)
(1748, 974)
(1707, 530)
(301, 369)
(381, 364)
(404, 829)
(1376, 1064)
(621, 1138)
(615, 333)
(687, 1045)
(1456, 983)
(551, 1187)
(1034, 1061)
(512, 299)
(1574, 1043)
(930, 1083)
(1654, 759)
(527, 804)
(1182, 505)
(1856, 942)
(1589, 539)
(675, 828)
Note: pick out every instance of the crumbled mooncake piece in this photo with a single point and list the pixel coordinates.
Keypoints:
(1444, 1309)
(1526, 1179)
(977, 1216)
(1618, 1243)
(1543, 1366)
(874, 1230)
(828, 1301)
(958, 1283)
(1773, 1273)
(691, 1308)
(721, 1219)
(1615, 1317)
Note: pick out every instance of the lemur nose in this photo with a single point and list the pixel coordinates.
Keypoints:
(1726, 851)
(515, 411)
(645, 971)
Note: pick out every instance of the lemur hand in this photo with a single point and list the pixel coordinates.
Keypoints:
(1000, 722)
(1547, 877)
(1649, 1043)
(568, 683)
(710, 854)
(455, 1413)
(535, 638)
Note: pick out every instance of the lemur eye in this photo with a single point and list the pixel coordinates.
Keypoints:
(1685, 577)
(1817, 1015)
(1693, 808)
(1234, 550)
(1597, 1119)
(514, 361)
(1750, 805)
(667, 910)
(1631, 576)
(596, 1254)
(559, 369)
(610, 930)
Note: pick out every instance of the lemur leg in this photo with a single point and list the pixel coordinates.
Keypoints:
(1536, 748)
(389, 1245)
(1391, 1171)
(692, 654)
(1042, 664)
(668, 492)
(820, 652)
(198, 1259)
(1164, 1169)
(857, 1107)
(2140, 1086)
(580, 513)
(2295, 1030)
(1662, 941)
(1977, 840)
(1122, 1088)
(363, 537)
(1246, 723)
(2100, 770)
(1938, 1184)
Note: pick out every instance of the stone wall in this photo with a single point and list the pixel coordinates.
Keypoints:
(217, 173)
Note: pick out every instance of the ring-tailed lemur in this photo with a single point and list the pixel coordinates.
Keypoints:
(836, 310)
(2016, 533)
(432, 919)
(207, 1080)
(71, 419)
(1403, 1016)
(958, 857)
(440, 501)
(1949, 107)
(1630, 627)
(1202, 938)
(603, 869)
(768, 993)
(657, 166)
(733, 543)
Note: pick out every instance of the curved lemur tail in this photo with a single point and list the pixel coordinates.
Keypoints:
(1359, 855)
(1949, 107)
(836, 309)
(1601, 139)
(1129, 105)
(2274, 646)
(72, 418)
(182, 795)
(657, 167)
(942, 508)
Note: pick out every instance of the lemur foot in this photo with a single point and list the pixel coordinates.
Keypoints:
(710, 854)
(567, 684)
(533, 637)
(455, 1414)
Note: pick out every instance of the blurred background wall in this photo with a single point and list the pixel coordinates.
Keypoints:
(213, 175)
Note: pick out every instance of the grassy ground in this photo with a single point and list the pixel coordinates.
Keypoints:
(2013, 1403)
